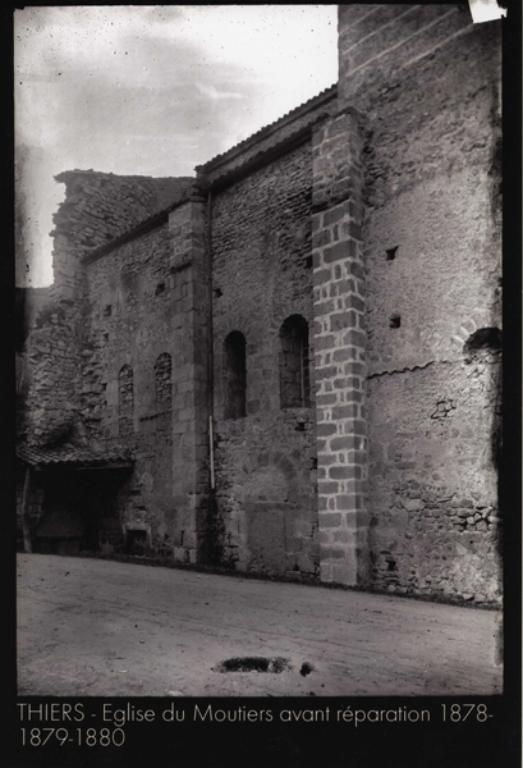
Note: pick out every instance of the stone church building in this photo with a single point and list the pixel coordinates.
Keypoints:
(288, 365)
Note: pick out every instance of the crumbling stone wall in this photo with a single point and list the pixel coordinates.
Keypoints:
(52, 363)
(434, 520)
(143, 384)
(427, 83)
(265, 461)
(130, 327)
(97, 208)
(103, 317)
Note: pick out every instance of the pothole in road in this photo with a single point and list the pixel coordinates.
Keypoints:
(306, 668)
(275, 665)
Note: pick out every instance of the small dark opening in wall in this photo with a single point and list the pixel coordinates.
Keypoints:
(125, 400)
(218, 292)
(108, 310)
(106, 337)
(483, 340)
(160, 288)
(136, 542)
(394, 321)
(390, 253)
(163, 380)
(308, 262)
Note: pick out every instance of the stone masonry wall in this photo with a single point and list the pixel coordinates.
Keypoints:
(383, 233)
(130, 327)
(427, 83)
(97, 208)
(265, 461)
(146, 319)
(340, 343)
(101, 206)
(264, 140)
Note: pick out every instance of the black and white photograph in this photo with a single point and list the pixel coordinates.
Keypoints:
(259, 331)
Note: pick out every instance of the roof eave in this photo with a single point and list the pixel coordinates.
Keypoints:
(321, 98)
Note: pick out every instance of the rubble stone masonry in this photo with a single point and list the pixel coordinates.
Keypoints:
(427, 81)
(302, 352)
(265, 461)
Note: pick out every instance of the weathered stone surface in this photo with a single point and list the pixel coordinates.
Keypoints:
(265, 462)
(367, 221)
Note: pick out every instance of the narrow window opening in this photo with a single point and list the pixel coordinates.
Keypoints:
(294, 363)
(160, 288)
(394, 321)
(125, 400)
(136, 542)
(390, 253)
(163, 380)
(235, 375)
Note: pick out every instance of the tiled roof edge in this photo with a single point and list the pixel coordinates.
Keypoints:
(263, 157)
(326, 95)
(161, 217)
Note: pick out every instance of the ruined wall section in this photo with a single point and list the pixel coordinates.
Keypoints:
(265, 460)
(427, 82)
(130, 326)
(139, 372)
(97, 208)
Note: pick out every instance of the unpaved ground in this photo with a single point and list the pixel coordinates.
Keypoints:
(102, 628)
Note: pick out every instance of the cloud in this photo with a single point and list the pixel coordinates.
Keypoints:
(156, 90)
(213, 93)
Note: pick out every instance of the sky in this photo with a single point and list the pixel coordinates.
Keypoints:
(152, 90)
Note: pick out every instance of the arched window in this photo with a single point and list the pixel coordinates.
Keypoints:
(125, 400)
(162, 380)
(235, 375)
(294, 363)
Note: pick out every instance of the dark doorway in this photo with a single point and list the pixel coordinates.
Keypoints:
(80, 512)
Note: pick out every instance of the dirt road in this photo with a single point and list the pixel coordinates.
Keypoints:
(96, 627)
